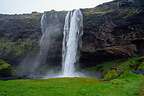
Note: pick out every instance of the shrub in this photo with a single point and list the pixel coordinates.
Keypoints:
(141, 67)
(112, 74)
(5, 69)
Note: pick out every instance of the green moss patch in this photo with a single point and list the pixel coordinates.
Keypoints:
(5, 69)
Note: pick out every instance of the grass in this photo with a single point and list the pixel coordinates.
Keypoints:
(115, 68)
(142, 89)
(126, 85)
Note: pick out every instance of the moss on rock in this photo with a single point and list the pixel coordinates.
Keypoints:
(5, 69)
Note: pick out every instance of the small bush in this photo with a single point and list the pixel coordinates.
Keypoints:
(141, 67)
(112, 74)
(5, 69)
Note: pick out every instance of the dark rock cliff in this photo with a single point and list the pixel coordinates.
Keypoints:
(15, 27)
(111, 31)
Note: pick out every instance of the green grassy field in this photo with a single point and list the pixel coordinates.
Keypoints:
(126, 85)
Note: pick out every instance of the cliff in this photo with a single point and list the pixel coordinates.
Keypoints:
(111, 31)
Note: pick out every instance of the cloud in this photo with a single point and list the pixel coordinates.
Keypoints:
(27, 6)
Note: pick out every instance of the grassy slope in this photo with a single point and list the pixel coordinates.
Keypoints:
(115, 68)
(126, 85)
(142, 89)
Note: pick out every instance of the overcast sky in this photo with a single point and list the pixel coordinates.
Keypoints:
(27, 6)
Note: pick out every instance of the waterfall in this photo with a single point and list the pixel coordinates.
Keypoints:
(51, 31)
(36, 64)
(71, 41)
(50, 44)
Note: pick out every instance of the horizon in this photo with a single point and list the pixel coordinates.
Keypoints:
(29, 6)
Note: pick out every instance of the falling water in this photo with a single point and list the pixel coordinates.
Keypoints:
(71, 41)
(51, 30)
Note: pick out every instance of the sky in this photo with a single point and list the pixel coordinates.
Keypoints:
(28, 6)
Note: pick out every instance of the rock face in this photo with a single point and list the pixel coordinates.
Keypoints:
(15, 32)
(110, 32)
(15, 27)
